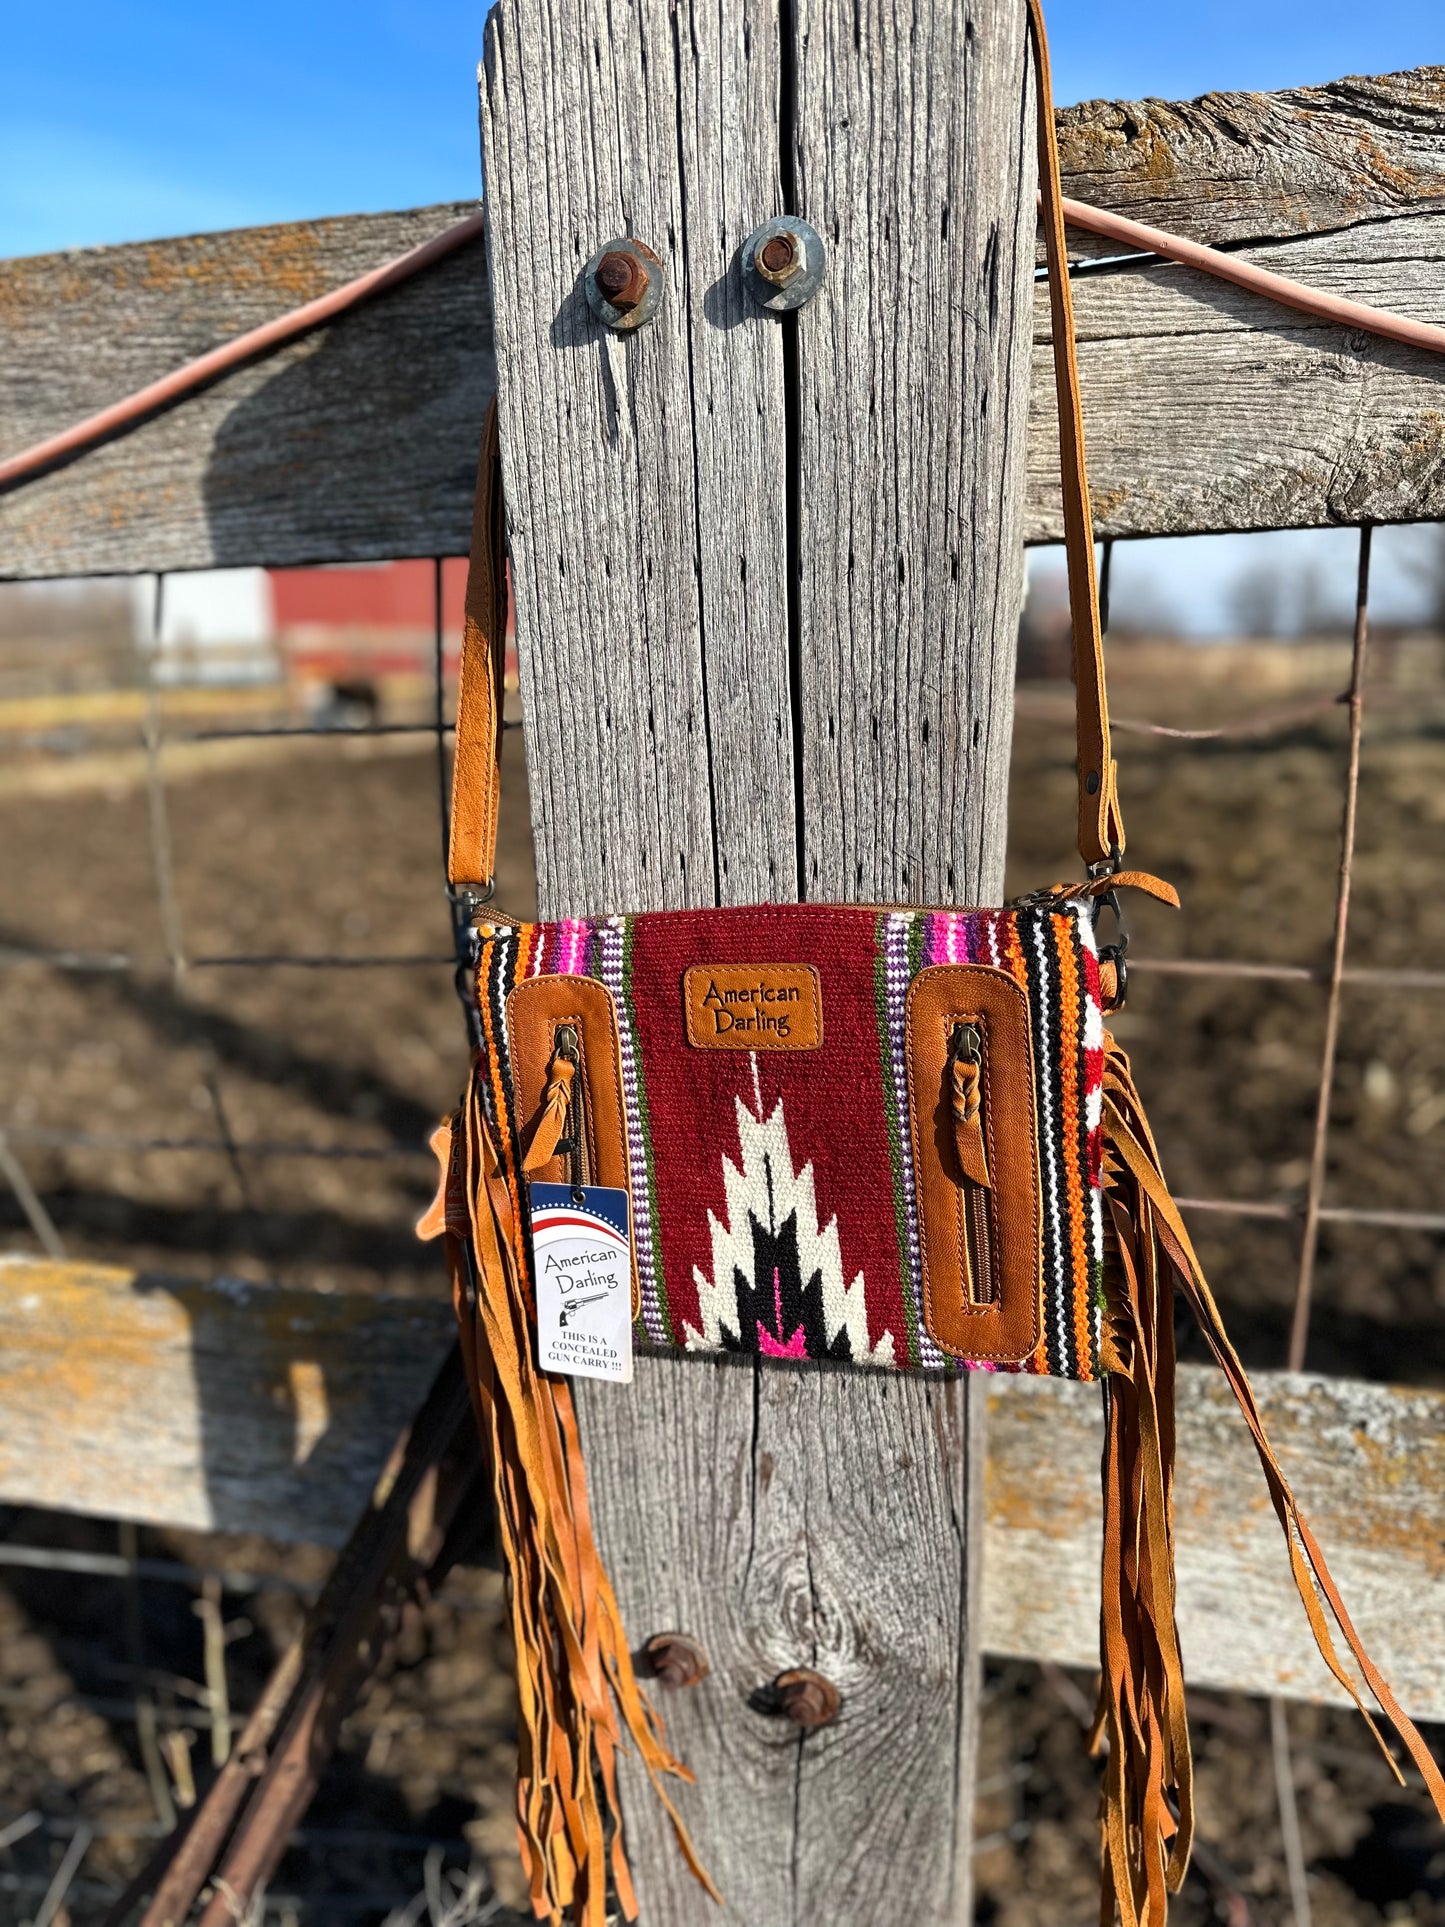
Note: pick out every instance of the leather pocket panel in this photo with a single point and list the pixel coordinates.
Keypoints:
(1006, 1326)
(536, 1007)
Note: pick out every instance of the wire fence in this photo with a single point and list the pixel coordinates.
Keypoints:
(163, 1712)
(1310, 1211)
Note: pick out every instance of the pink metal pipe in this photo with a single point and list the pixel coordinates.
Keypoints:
(1275, 287)
(1115, 227)
(184, 381)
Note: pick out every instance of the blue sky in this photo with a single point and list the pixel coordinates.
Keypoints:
(120, 123)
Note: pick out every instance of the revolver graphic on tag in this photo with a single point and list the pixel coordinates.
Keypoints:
(571, 1305)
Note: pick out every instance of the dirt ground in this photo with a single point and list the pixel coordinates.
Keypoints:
(332, 848)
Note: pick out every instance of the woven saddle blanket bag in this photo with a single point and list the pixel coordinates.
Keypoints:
(883, 1137)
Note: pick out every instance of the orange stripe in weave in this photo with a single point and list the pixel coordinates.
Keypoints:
(1011, 950)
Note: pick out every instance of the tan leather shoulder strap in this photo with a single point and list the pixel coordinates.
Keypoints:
(476, 773)
(479, 691)
(1101, 828)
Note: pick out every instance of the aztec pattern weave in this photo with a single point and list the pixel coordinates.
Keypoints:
(796, 1234)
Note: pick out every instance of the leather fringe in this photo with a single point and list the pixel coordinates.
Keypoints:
(577, 1691)
(1148, 1808)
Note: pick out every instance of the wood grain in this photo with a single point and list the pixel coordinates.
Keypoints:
(813, 1518)
(360, 441)
(912, 428)
(247, 1409)
(913, 157)
(1232, 167)
(1368, 1466)
(645, 483)
(651, 517)
(597, 443)
(223, 1406)
(1208, 409)
(357, 442)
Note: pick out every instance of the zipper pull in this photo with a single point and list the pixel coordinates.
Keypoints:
(565, 1043)
(965, 1057)
(546, 1128)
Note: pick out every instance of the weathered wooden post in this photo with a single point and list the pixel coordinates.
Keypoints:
(767, 575)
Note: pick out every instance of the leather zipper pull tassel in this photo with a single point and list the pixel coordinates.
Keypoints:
(966, 1068)
(551, 1119)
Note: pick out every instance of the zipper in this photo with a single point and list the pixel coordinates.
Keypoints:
(966, 1068)
(977, 1232)
(567, 1043)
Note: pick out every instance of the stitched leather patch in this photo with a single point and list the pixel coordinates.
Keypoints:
(753, 1006)
(966, 1316)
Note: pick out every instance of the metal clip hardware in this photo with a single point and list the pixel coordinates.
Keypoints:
(1040, 899)
(1106, 866)
(565, 1043)
(573, 1145)
(1114, 953)
(467, 898)
(464, 901)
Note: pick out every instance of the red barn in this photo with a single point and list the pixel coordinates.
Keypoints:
(367, 633)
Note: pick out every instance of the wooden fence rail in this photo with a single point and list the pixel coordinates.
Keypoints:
(245, 1408)
(1207, 408)
(768, 717)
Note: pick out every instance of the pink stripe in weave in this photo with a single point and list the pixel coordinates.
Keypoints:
(571, 947)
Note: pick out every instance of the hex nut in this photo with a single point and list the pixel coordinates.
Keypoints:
(779, 259)
(624, 284)
(783, 263)
(622, 278)
(806, 1698)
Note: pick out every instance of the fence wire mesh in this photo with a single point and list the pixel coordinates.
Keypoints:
(1311, 1210)
(148, 1701)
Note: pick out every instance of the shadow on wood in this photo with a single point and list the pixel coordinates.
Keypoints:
(223, 1405)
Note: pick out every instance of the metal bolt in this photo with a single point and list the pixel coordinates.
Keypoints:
(806, 1698)
(783, 262)
(779, 259)
(675, 1660)
(623, 284)
(622, 278)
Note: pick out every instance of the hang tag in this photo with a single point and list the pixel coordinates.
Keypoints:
(582, 1263)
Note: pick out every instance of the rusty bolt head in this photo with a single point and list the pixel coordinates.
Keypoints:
(624, 284)
(806, 1698)
(783, 263)
(779, 259)
(622, 278)
(675, 1660)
